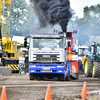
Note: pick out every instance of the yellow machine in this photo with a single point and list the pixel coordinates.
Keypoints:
(9, 52)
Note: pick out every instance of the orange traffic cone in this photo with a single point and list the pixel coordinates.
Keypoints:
(84, 91)
(48, 94)
(3, 94)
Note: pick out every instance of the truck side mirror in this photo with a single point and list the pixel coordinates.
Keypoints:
(89, 48)
(25, 42)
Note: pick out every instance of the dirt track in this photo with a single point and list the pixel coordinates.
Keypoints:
(19, 87)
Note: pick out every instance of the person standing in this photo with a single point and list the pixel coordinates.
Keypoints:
(21, 61)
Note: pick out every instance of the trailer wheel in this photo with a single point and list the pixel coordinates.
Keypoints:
(87, 66)
(31, 76)
(95, 69)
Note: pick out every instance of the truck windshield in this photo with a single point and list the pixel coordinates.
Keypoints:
(83, 51)
(46, 43)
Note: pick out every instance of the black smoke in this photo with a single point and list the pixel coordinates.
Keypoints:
(52, 12)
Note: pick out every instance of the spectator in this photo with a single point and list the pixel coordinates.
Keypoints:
(21, 61)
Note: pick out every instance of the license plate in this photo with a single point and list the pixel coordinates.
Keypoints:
(46, 55)
(46, 69)
(43, 66)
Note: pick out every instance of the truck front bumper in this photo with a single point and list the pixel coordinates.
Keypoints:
(43, 70)
(48, 69)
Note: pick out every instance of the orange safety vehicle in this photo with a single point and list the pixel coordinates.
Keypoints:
(72, 56)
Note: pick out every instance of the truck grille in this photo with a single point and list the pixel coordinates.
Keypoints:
(46, 57)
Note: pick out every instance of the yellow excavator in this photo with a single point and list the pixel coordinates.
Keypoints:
(9, 54)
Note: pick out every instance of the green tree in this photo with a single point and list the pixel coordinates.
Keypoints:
(88, 25)
(21, 18)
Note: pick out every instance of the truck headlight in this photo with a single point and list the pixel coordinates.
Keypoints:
(60, 66)
(32, 66)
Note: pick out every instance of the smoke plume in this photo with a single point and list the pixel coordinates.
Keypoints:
(51, 12)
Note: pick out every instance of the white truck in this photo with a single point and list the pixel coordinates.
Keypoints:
(47, 56)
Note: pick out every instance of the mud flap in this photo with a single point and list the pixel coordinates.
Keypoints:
(75, 70)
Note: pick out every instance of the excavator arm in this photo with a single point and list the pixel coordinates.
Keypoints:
(5, 34)
(9, 55)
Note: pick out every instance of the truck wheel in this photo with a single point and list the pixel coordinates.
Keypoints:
(68, 78)
(87, 66)
(95, 69)
(62, 77)
(32, 77)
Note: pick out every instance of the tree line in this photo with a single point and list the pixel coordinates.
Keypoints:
(87, 26)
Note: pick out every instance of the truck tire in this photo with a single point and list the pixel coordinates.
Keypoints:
(62, 77)
(31, 76)
(68, 78)
(87, 66)
(95, 69)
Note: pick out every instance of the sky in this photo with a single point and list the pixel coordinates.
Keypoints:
(78, 5)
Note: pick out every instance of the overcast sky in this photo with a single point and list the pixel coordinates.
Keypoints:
(78, 5)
